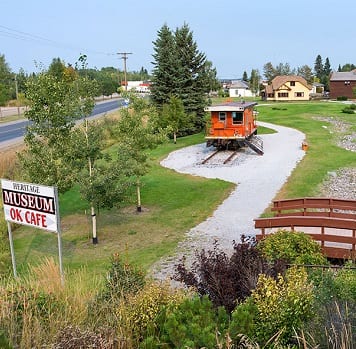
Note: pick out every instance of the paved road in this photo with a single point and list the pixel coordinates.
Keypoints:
(13, 132)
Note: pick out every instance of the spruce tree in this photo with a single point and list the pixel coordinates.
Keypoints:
(192, 82)
(326, 74)
(318, 67)
(327, 67)
(181, 70)
(244, 76)
(164, 72)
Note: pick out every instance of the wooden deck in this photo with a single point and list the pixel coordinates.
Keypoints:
(331, 222)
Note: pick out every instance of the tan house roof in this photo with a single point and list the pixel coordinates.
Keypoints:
(280, 80)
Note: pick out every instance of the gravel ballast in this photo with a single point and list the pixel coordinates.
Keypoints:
(258, 179)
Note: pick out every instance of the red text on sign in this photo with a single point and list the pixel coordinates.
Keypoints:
(32, 218)
(36, 219)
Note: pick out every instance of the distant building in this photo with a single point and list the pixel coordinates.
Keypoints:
(138, 86)
(342, 83)
(287, 88)
(317, 87)
(240, 88)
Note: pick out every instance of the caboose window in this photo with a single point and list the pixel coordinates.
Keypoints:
(222, 116)
(237, 117)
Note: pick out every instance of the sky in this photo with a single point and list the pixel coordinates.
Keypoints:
(235, 35)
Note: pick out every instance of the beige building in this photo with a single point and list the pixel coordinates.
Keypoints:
(287, 88)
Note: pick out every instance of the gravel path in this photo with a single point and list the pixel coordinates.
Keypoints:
(258, 179)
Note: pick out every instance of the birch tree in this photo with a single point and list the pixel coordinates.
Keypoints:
(62, 154)
(104, 181)
(137, 131)
(174, 117)
(54, 106)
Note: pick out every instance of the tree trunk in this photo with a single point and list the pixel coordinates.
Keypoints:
(90, 167)
(175, 137)
(139, 209)
(93, 221)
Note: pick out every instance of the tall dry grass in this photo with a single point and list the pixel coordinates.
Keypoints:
(9, 167)
(35, 308)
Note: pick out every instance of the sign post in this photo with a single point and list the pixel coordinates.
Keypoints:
(12, 249)
(33, 205)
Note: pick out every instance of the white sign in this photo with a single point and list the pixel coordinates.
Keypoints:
(30, 204)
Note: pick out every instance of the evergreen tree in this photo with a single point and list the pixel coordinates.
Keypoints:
(164, 79)
(193, 83)
(318, 67)
(181, 70)
(327, 67)
(325, 79)
(347, 67)
(244, 76)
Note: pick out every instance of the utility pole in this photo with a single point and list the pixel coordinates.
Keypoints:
(17, 96)
(124, 57)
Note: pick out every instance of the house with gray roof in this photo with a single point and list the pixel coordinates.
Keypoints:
(240, 88)
(342, 84)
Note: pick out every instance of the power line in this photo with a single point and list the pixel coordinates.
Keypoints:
(20, 35)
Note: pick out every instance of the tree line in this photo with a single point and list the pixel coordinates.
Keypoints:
(179, 69)
(320, 72)
(109, 79)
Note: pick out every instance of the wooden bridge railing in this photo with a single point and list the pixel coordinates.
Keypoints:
(336, 219)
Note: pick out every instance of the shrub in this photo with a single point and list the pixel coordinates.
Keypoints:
(349, 109)
(225, 279)
(243, 320)
(292, 247)
(122, 280)
(345, 282)
(341, 98)
(138, 313)
(194, 323)
(283, 305)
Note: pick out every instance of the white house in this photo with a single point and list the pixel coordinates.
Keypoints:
(240, 88)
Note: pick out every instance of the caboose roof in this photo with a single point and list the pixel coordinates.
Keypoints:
(231, 106)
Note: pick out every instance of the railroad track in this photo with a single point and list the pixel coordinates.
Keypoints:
(225, 160)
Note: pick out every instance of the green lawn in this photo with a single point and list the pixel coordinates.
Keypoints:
(323, 154)
(173, 203)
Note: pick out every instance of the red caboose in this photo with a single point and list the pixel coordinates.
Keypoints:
(233, 125)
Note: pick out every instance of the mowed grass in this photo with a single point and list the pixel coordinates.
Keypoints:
(173, 203)
(323, 155)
